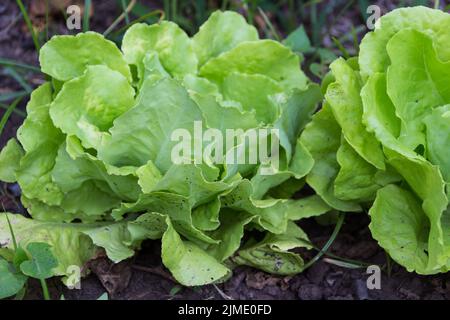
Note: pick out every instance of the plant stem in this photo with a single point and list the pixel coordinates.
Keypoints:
(271, 27)
(11, 230)
(174, 10)
(124, 8)
(46, 19)
(142, 18)
(19, 78)
(12, 63)
(28, 23)
(120, 18)
(16, 111)
(8, 113)
(87, 11)
(330, 241)
(167, 9)
(45, 289)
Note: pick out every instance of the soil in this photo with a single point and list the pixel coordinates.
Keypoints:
(144, 277)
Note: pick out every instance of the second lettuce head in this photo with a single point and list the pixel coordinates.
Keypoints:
(382, 138)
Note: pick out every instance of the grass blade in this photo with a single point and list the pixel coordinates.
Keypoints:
(271, 27)
(16, 111)
(46, 19)
(8, 113)
(45, 289)
(343, 264)
(29, 24)
(341, 47)
(166, 7)
(330, 241)
(12, 63)
(174, 9)
(86, 15)
(120, 18)
(12, 95)
(19, 78)
(142, 18)
(124, 8)
(13, 236)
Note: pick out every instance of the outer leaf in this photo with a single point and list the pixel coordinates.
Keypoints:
(220, 33)
(222, 117)
(253, 92)
(301, 164)
(66, 57)
(357, 179)
(419, 88)
(401, 227)
(87, 106)
(373, 56)
(161, 109)
(173, 46)
(426, 181)
(296, 112)
(322, 139)
(175, 206)
(74, 166)
(230, 233)
(345, 101)
(206, 216)
(34, 175)
(68, 244)
(38, 128)
(9, 161)
(190, 181)
(379, 114)
(189, 264)
(265, 57)
(271, 214)
(308, 207)
(272, 255)
(438, 139)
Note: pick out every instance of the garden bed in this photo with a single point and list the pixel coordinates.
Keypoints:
(144, 277)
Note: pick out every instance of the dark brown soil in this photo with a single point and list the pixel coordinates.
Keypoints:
(321, 281)
(144, 277)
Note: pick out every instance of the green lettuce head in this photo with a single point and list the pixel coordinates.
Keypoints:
(93, 157)
(382, 138)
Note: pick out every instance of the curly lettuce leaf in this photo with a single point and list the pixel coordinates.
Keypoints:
(402, 228)
(87, 105)
(438, 139)
(220, 33)
(68, 244)
(418, 88)
(345, 102)
(170, 42)
(265, 57)
(272, 253)
(161, 108)
(67, 57)
(9, 160)
(373, 56)
(322, 137)
(188, 263)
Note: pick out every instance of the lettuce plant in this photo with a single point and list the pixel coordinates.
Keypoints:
(93, 157)
(382, 138)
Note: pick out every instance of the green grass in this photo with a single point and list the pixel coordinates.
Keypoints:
(86, 16)
(7, 114)
(26, 17)
(330, 241)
